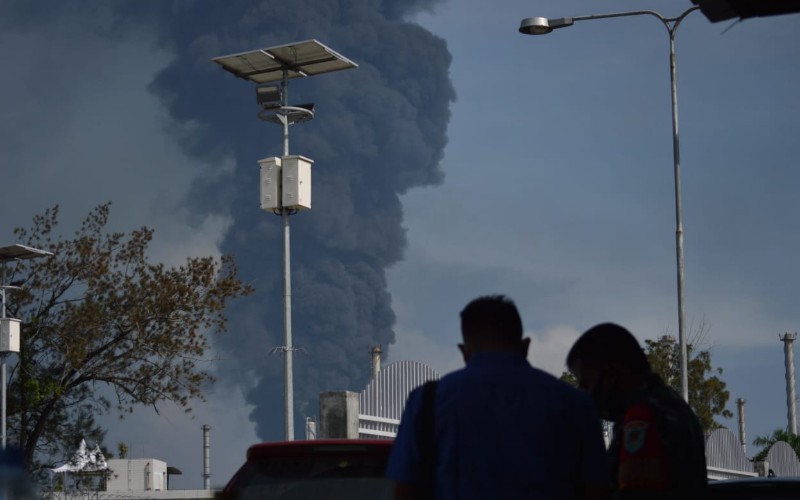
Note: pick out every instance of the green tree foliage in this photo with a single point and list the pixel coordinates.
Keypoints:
(767, 441)
(708, 396)
(569, 378)
(103, 328)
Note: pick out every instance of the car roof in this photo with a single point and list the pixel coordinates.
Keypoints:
(738, 482)
(756, 488)
(320, 446)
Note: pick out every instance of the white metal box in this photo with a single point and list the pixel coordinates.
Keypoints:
(270, 183)
(137, 474)
(296, 182)
(9, 335)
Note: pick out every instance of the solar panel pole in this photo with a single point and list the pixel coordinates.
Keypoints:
(280, 63)
(288, 368)
(4, 353)
(9, 328)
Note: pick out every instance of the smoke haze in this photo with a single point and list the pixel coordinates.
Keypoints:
(380, 130)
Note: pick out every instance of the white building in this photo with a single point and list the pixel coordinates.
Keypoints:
(136, 474)
(381, 403)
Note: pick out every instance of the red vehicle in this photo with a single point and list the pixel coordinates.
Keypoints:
(301, 470)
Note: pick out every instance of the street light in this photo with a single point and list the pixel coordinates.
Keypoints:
(285, 184)
(9, 327)
(542, 26)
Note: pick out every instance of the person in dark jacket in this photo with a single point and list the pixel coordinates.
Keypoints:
(658, 446)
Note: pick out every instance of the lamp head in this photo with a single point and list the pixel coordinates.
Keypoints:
(542, 25)
(269, 96)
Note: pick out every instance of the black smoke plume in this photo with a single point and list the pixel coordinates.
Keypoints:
(379, 131)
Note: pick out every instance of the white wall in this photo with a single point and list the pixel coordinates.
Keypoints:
(139, 474)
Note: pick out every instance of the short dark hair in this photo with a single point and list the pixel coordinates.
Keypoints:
(609, 343)
(491, 319)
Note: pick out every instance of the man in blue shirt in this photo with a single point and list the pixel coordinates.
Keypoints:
(500, 428)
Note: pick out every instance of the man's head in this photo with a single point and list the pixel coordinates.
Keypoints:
(492, 323)
(610, 365)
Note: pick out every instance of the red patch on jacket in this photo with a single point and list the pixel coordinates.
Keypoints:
(642, 461)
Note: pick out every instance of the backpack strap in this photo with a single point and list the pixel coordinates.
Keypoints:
(427, 439)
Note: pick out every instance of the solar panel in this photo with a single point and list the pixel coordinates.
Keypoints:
(298, 59)
(20, 252)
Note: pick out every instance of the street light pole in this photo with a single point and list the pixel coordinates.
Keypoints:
(541, 26)
(676, 155)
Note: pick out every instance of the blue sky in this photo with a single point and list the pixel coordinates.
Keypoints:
(557, 188)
